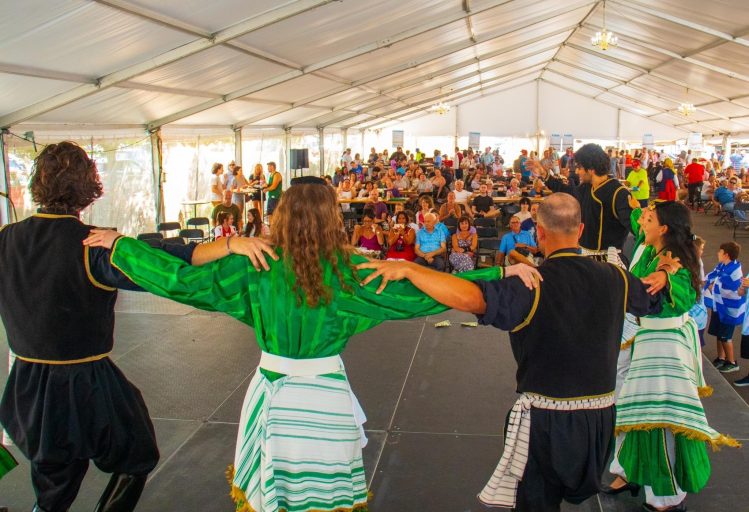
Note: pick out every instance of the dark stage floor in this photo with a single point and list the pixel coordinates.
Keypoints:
(435, 400)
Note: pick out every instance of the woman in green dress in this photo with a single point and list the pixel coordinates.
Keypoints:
(662, 429)
(300, 439)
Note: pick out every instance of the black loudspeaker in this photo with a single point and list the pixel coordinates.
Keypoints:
(299, 159)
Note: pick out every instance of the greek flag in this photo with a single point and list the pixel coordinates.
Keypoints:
(724, 298)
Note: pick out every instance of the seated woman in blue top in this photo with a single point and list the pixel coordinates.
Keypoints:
(516, 245)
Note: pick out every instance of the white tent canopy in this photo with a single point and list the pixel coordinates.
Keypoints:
(159, 91)
(354, 64)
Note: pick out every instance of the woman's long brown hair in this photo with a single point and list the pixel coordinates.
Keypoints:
(308, 226)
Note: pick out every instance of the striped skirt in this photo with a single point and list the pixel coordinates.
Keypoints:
(299, 446)
(662, 391)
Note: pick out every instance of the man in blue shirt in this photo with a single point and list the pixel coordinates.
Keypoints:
(736, 161)
(725, 195)
(516, 244)
(525, 174)
(487, 158)
(431, 244)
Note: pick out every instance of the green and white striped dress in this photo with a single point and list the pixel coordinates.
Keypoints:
(300, 440)
(662, 391)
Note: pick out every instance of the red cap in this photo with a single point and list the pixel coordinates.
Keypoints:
(635, 163)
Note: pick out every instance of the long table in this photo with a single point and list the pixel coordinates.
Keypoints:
(367, 200)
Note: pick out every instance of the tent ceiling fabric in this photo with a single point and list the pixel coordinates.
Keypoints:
(355, 64)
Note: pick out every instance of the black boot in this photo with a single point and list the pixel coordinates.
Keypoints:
(122, 493)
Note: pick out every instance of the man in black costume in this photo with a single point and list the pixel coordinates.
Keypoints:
(65, 401)
(604, 201)
(559, 432)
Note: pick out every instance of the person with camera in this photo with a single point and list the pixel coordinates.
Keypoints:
(401, 238)
(368, 235)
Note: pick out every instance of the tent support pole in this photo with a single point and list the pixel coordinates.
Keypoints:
(238, 146)
(321, 145)
(4, 180)
(158, 174)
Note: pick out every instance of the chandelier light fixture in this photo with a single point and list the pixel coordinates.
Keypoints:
(440, 108)
(686, 108)
(603, 38)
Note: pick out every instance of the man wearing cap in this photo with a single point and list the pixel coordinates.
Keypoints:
(604, 201)
(637, 180)
(525, 174)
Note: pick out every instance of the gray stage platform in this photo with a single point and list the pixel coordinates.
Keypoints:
(435, 398)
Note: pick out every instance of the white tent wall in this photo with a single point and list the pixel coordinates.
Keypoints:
(187, 163)
(507, 113)
(428, 133)
(634, 127)
(565, 112)
(123, 159)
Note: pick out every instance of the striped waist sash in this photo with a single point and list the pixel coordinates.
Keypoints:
(300, 367)
(501, 490)
(656, 324)
(311, 368)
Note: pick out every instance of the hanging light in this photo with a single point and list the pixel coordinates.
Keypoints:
(686, 108)
(603, 38)
(440, 108)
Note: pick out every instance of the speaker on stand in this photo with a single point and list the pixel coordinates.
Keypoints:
(299, 160)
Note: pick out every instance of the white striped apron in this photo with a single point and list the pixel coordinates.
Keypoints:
(300, 439)
(501, 490)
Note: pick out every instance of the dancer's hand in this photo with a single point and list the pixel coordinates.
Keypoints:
(529, 275)
(101, 238)
(655, 282)
(669, 263)
(633, 203)
(536, 169)
(388, 270)
(256, 249)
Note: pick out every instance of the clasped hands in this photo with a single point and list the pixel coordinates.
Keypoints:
(397, 270)
(667, 265)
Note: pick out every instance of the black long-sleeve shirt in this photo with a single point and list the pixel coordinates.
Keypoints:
(605, 212)
(566, 334)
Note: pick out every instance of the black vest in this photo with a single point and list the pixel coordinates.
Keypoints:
(50, 304)
(602, 227)
(569, 345)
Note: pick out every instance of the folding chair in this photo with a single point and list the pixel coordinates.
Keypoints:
(168, 226)
(487, 232)
(198, 222)
(740, 216)
(148, 236)
(178, 240)
(191, 235)
(484, 222)
(487, 247)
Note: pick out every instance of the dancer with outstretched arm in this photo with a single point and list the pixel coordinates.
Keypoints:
(300, 439)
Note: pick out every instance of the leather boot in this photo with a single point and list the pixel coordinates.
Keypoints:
(122, 493)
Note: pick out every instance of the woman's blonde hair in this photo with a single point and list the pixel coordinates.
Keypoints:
(308, 226)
